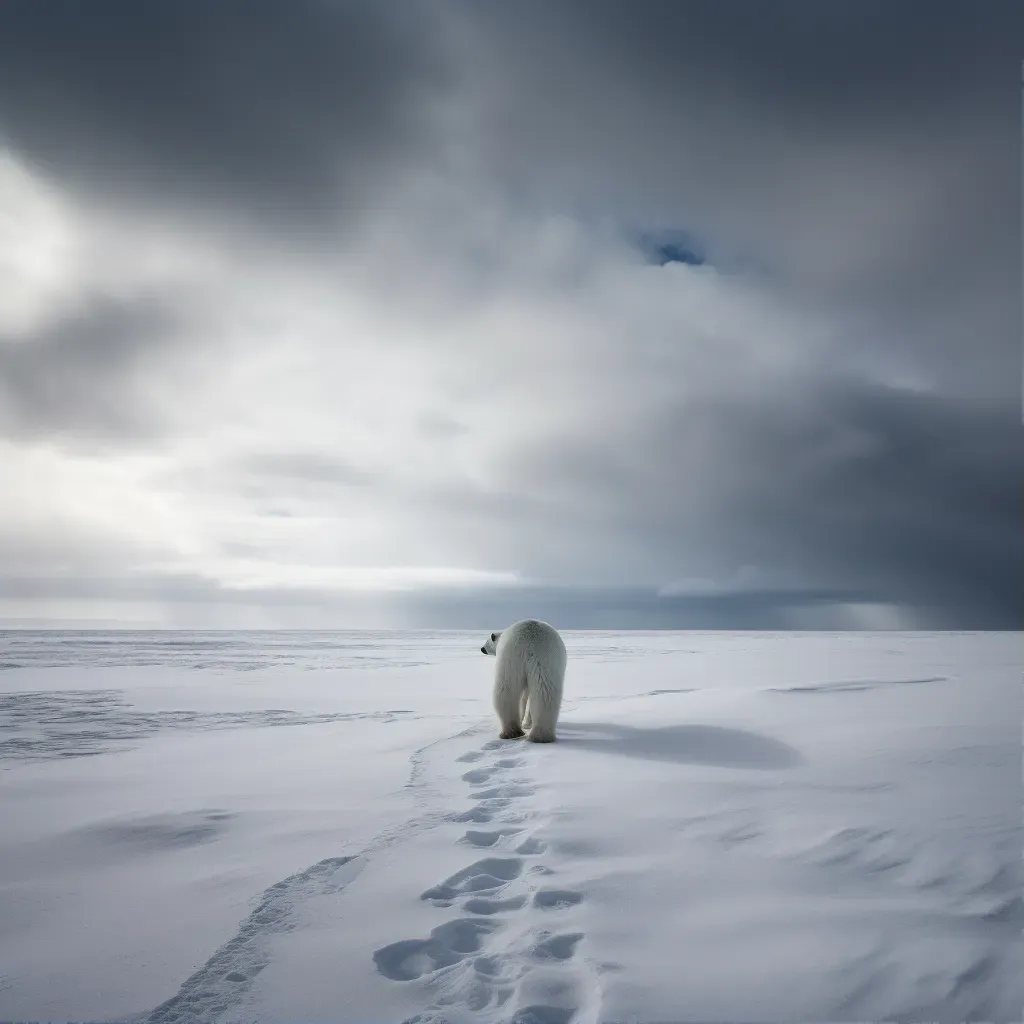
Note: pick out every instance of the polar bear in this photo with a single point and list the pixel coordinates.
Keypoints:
(528, 679)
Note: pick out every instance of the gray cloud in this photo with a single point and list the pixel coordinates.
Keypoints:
(451, 607)
(85, 376)
(866, 155)
(913, 497)
(300, 466)
(631, 608)
(899, 498)
(285, 112)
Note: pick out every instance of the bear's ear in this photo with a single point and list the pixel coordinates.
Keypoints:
(494, 636)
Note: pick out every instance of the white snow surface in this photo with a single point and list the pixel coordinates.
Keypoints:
(325, 827)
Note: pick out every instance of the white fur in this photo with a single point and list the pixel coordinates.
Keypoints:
(528, 679)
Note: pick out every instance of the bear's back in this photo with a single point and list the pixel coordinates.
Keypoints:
(532, 637)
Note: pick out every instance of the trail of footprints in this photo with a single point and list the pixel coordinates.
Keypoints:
(229, 974)
(481, 961)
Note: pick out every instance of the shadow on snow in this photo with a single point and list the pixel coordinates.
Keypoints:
(682, 744)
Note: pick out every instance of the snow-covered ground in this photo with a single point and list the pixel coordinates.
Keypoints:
(325, 827)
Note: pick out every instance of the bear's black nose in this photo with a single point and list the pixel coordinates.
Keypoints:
(483, 650)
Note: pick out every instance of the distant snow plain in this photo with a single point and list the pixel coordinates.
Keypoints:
(228, 827)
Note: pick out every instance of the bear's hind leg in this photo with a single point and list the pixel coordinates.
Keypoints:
(524, 709)
(545, 703)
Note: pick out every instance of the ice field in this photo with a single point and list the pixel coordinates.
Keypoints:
(324, 827)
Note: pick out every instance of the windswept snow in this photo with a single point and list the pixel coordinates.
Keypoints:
(324, 827)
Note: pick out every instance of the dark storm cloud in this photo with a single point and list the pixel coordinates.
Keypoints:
(867, 154)
(896, 73)
(916, 496)
(484, 608)
(84, 376)
(835, 66)
(909, 499)
(616, 608)
(281, 109)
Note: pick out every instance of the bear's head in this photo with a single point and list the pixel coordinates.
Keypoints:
(491, 646)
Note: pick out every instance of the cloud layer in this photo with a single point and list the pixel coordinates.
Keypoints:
(319, 315)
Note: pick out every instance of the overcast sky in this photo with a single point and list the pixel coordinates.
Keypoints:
(439, 314)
